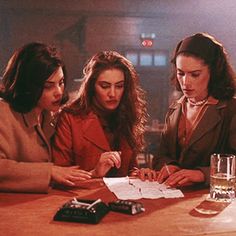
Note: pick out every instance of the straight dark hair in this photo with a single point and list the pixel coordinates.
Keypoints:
(206, 48)
(25, 75)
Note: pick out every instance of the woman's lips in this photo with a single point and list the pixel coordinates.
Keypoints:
(188, 90)
(112, 102)
(57, 103)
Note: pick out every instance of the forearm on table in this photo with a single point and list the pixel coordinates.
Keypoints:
(24, 176)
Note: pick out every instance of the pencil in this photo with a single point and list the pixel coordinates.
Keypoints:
(167, 169)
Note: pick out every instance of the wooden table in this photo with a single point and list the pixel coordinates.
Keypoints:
(32, 214)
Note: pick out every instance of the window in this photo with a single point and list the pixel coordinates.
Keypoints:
(145, 59)
(149, 58)
(133, 57)
(160, 59)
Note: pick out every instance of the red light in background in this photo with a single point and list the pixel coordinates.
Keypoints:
(147, 43)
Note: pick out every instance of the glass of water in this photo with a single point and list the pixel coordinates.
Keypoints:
(222, 177)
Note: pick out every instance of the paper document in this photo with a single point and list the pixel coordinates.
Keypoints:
(131, 188)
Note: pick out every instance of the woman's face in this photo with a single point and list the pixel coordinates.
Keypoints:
(52, 92)
(109, 88)
(193, 76)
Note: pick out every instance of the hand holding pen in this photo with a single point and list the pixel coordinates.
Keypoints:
(166, 171)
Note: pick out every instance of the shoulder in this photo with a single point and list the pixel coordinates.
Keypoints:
(231, 105)
(6, 111)
(68, 117)
(4, 105)
(68, 113)
(228, 109)
(10, 120)
(232, 101)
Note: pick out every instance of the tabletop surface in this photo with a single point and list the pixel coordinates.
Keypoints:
(32, 214)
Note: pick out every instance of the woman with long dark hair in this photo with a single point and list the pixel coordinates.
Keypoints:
(102, 130)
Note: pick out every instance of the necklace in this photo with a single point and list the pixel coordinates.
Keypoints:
(199, 103)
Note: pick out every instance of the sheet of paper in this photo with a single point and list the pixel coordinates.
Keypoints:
(122, 188)
(131, 188)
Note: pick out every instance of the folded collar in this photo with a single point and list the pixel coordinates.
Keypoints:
(31, 118)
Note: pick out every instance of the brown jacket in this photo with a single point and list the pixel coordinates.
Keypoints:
(81, 141)
(215, 133)
(24, 151)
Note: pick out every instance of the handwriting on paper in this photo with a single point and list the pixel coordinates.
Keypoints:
(131, 188)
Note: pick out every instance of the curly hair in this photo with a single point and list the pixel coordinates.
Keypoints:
(131, 112)
(25, 75)
(206, 48)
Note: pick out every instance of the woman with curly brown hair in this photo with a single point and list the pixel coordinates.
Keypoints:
(102, 130)
(203, 120)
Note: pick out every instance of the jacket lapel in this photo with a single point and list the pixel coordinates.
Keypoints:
(174, 116)
(46, 131)
(209, 120)
(92, 131)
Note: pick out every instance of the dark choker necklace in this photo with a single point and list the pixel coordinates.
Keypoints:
(199, 103)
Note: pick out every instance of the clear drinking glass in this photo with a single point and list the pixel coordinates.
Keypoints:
(222, 177)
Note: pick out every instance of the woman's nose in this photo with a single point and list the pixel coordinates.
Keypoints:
(58, 90)
(186, 80)
(112, 92)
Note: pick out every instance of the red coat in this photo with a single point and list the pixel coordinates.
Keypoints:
(81, 141)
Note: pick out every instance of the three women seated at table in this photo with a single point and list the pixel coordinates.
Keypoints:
(100, 133)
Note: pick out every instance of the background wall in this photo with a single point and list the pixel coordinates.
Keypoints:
(82, 27)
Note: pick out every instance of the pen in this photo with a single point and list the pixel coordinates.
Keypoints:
(94, 203)
(167, 169)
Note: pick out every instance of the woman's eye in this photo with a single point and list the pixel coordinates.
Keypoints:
(61, 83)
(105, 86)
(180, 74)
(195, 75)
(120, 86)
(48, 86)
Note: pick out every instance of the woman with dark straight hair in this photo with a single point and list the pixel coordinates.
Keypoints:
(203, 120)
(32, 89)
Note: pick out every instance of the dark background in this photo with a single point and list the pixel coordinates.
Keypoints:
(80, 28)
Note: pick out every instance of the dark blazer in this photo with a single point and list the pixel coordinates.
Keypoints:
(81, 141)
(215, 133)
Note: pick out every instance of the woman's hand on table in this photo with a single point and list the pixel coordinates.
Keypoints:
(106, 162)
(171, 175)
(185, 177)
(69, 176)
(166, 171)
